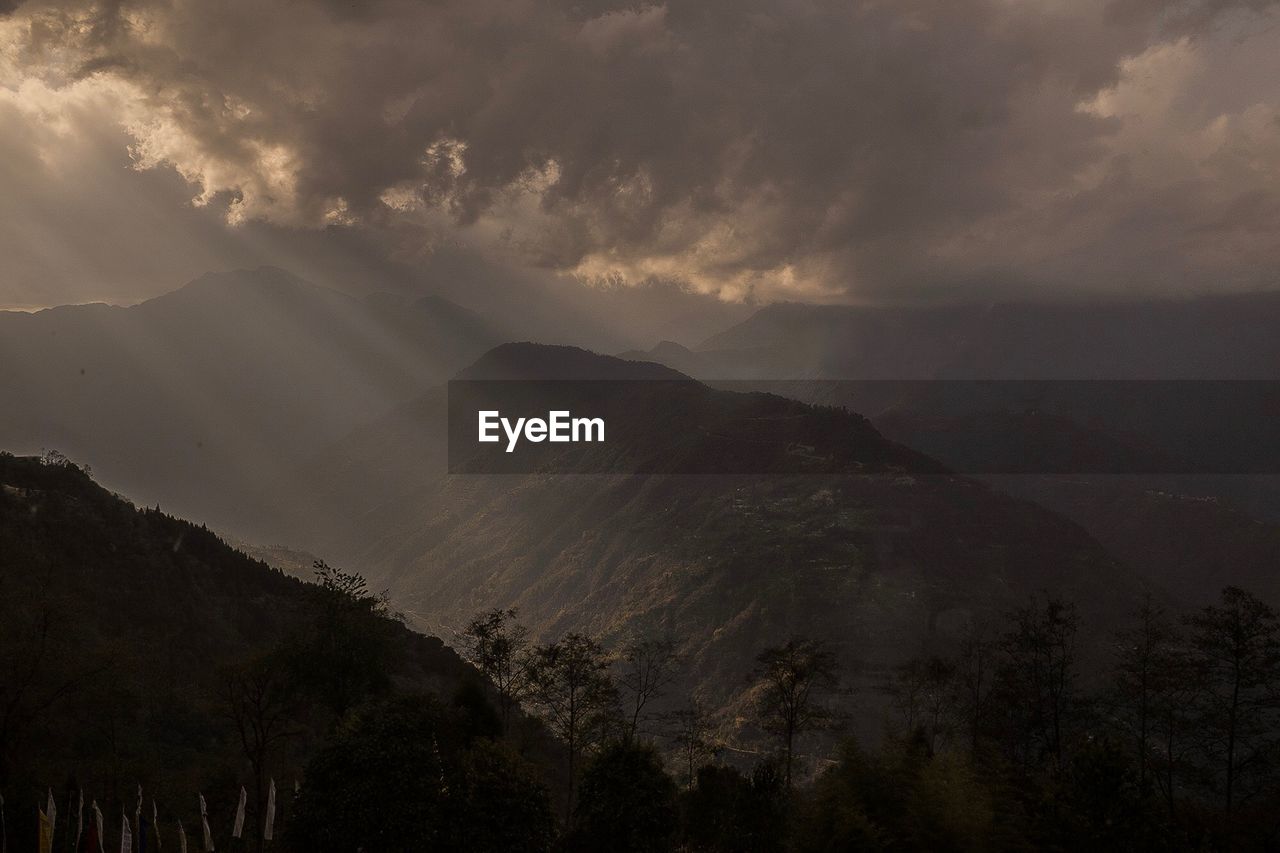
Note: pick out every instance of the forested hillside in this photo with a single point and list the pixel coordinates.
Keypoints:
(139, 649)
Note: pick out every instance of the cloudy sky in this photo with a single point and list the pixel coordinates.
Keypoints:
(834, 150)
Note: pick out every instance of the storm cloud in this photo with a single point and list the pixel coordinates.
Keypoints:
(815, 149)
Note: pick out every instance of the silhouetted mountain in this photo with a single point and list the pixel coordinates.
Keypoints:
(114, 625)
(884, 563)
(661, 421)
(199, 397)
(530, 361)
(669, 353)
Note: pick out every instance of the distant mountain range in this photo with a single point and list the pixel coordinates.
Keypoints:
(288, 413)
(199, 398)
(1219, 337)
(889, 562)
(1227, 528)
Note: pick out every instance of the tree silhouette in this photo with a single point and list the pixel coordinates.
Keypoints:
(345, 654)
(497, 645)
(923, 690)
(975, 669)
(261, 700)
(1236, 645)
(694, 736)
(791, 682)
(627, 802)
(648, 669)
(1039, 680)
(1150, 697)
(571, 688)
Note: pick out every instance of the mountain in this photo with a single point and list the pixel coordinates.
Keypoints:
(198, 398)
(1085, 432)
(1212, 337)
(605, 316)
(115, 626)
(1177, 532)
(876, 549)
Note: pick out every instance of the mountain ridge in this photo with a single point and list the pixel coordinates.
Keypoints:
(1217, 336)
(884, 564)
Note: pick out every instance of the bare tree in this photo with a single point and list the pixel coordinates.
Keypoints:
(648, 669)
(923, 692)
(1151, 698)
(694, 735)
(261, 703)
(1237, 646)
(974, 678)
(791, 681)
(498, 646)
(1039, 677)
(571, 688)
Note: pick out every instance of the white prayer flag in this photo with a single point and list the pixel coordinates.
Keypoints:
(204, 820)
(97, 822)
(182, 839)
(238, 830)
(268, 832)
(126, 837)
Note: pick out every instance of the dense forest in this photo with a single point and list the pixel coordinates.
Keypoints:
(137, 651)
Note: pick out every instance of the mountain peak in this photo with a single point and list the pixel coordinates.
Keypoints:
(669, 349)
(526, 360)
(263, 279)
(263, 275)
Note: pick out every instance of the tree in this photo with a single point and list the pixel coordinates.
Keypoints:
(727, 812)
(791, 681)
(571, 688)
(1038, 678)
(261, 703)
(1150, 696)
(396, 776)
(923, 692)
(505, 808)
(345, 656)
(480, 719)
(1099, 804)
(497, 645)
(694, 736)
(627, 802)
(974, 678)
(648, 669)
(378, 783)
(1236, 645)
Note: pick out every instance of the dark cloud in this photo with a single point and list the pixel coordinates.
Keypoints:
(819, 148)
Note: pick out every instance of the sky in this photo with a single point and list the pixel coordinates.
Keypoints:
(818, 150)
